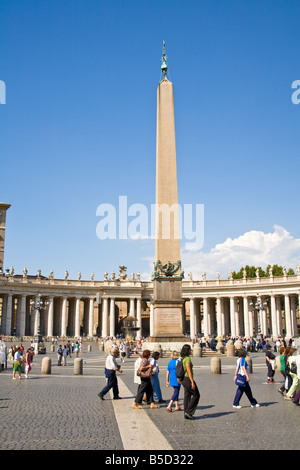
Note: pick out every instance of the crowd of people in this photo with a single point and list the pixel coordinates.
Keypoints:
(21, 360)
(146, 376)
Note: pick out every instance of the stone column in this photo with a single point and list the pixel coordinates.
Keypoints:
(273, 316)
(131, 308)
(246, 316)
(50, 317)
(105, 317)
(91, 317)
(264, 327)
(8, 315)
(232, 317)
(64, 317)
(287, 309)
(192, 319)
(205, 317)
(278, 315)
(22, 316)
(77, 317)
(293, 315)
(219, 317)
(139, 317)
(112, 318)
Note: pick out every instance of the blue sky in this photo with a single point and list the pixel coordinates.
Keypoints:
(79, 125)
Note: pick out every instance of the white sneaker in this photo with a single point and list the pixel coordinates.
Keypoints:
(255, 406)
(236, 406)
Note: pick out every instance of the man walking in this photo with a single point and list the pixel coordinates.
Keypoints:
(111, 367)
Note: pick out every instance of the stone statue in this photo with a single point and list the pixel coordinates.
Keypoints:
(66, 275)
(298, 270)
(105, 275)
(122, 273)
(190, 276)
(218, 276)
(92, 276)
(79, 275)
(138, 276)
(204, 277)
(25, 271)
(51, 275)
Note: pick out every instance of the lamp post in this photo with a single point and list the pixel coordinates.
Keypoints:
(257, 308)
(38, 306)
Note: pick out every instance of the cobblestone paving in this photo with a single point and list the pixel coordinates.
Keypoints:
(63, 412)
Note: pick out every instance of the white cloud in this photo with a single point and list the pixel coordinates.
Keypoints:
(254, 248)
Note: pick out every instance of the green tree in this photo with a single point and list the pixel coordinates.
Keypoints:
(251, 271)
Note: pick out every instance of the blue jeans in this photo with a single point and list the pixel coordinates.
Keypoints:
(157, 395)
(175, 396)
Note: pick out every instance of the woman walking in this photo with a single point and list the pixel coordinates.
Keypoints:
(145, 386)
(242, 368)
(171, 380)
(191, 392)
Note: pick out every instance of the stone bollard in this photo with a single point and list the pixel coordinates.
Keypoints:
(89, 348)
(197, 351)
(230, 349)
(215, 365)
(127, 351)
(220, 347)
(46, 366)
(249, 362)
(78, 362)
(238, 346)
(52, 348)
(101, 347)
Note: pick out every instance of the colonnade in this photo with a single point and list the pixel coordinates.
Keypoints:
(236, 315)
(213, 314)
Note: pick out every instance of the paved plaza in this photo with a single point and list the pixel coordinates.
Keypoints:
(62, 411)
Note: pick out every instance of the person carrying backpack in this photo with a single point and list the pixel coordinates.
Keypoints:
(191, 392)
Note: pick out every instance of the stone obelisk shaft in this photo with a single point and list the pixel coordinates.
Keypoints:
(3, 209)
(167, 246)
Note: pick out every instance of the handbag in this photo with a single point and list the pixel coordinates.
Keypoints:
(240, 380)
(144, 374)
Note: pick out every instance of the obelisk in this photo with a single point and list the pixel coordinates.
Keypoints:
(3, 208)
(167, 276)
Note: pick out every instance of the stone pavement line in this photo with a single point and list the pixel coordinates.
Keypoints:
(135, 426)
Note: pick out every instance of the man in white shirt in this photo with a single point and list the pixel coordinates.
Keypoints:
(111, 367)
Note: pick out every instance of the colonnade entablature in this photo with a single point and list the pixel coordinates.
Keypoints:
(211, 307)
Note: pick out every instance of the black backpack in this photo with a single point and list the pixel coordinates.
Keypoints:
(180, 372)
